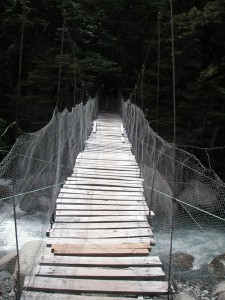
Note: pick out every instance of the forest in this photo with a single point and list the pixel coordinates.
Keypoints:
(106, 43)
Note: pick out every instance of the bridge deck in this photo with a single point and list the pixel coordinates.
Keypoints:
(101, 239)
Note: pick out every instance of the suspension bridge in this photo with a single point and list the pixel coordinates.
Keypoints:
(101, 239)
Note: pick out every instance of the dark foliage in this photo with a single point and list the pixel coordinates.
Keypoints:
(106, 43)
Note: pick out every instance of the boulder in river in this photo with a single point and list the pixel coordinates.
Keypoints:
(217, 265)
(183, 260)
(219, 291)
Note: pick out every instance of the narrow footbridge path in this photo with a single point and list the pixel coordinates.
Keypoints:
(99, 246)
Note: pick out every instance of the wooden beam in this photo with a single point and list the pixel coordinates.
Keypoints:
(88, 261)
(102, 273)
(123, 287)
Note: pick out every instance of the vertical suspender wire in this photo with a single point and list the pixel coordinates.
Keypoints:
(61, 54)
(174, 140)
(75, 82)
(158, 72)
(142, 86)
(154, 165)
(17, 287)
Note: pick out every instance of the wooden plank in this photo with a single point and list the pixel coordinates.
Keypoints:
(72, 247)
(119, 165)
(88, 241)
(71, 185)
(100, 202)
(27, 295)
(111, 156)
(107, 225)
(97, 192)
(89, 261)
(100, 233)
(105, 196)
(95, 127)
(99, 252)
(95, 286)
(102, 182)
(101, 273)
(122, 172)
(115, 207)
(100, 213)
(99, 175)
(100, 219)
(108, 167)
(107, 163)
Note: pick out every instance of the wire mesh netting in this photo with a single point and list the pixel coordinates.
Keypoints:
(188, 201)
(30, 178)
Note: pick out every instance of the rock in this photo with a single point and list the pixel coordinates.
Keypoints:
(221, 296)
(183, 296)
(199, 194)
(6, 283)
(8, 262)
(160, 203)
(183, 260)
(30, 256)
(40, 204)
(219, 289)
(217, 265)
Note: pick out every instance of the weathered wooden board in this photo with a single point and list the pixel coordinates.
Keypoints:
(115, 207)
(100, 213)
(88, 261)
(110, 168)
(95, 175)
(27, 295)
(98, 192)
(100, 219)
(71, 185)
(88, 241)
(108, 156)
(122, 173)
(100, 233)
(96, 286)
(71, 247)
(103, 196)
(108, 225)
(101, 273)
(106, 166)
(102, 182)
(102, 252)
(100, 202)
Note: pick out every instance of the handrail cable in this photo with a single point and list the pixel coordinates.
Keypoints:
(170, 295)
(145, 60)
(61, 54)
(17, 287)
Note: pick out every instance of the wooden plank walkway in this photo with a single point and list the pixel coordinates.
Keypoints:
(101, 239)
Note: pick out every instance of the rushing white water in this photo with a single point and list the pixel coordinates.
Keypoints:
(202, 245)
(30, 227)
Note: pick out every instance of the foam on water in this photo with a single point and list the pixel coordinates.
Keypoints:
(202, 245)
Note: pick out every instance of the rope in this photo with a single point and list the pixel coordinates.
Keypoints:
(33, 191)
(145, 60)
(60, 62)
(17, 286)
(158, 73)
(75, 82)
(10, 125)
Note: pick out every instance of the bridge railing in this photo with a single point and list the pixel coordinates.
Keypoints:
(186, 197)
(30, 179)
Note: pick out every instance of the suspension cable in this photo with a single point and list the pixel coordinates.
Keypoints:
(75, 81)
(146, 57)
(17, 286)
(158, 72)
(170, 296)
(61, 54)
